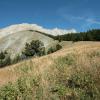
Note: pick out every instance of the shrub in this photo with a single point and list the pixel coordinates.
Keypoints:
(4, 59)
(34, 48)
(2, 55)
(50, 50)
(58, 47)
(54, 49)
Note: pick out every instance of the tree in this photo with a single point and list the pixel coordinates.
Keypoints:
(54, 49)
(34, 48)
(50, 50)
(59, 38)
(58, 47)
(91, 35)
(2, 55)
(4, 59)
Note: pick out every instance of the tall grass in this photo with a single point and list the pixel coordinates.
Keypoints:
(71, 77)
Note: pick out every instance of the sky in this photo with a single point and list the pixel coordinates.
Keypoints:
(81, 15)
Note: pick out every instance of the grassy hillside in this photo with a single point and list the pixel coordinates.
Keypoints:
(72, 73)
(15, 42)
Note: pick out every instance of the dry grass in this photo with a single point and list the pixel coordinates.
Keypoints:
(9, 73)
(53, 70)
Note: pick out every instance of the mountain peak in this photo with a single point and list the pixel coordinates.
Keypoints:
(25, 26)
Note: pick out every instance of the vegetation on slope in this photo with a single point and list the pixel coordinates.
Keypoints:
(32, 49)
(73, 76)
(91, 35)
(4, 59)
(14, 43)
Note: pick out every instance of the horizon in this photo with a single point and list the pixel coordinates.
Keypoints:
(70, 14)
(51, 28)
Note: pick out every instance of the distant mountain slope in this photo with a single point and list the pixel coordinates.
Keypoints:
(15, 42)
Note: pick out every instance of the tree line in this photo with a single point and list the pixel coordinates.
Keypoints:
(91, 35)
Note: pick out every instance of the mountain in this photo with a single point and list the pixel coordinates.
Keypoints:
(13, 38)
(25, 26)
(15, 43)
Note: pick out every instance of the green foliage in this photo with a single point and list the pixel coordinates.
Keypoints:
(92, 35)
(8, 92)
(4, 59)
(58, 47)
(21, 90)
(54, 49)
(50, 50)
(2, 55)
(34, 48)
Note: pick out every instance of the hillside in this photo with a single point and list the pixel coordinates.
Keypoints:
(72, 73)
(14, 43)
(14, 37)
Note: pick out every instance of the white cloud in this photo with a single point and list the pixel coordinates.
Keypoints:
(93, 21)
(80, 18)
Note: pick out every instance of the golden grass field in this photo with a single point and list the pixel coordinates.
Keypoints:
(53, 70)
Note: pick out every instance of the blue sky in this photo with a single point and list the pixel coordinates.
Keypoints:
(81, 15)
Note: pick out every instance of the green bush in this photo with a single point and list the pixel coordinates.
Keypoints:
(4, 59)
(54, 49)
(50, 50)
(58, 47)
(2, 55)
(34, 48)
